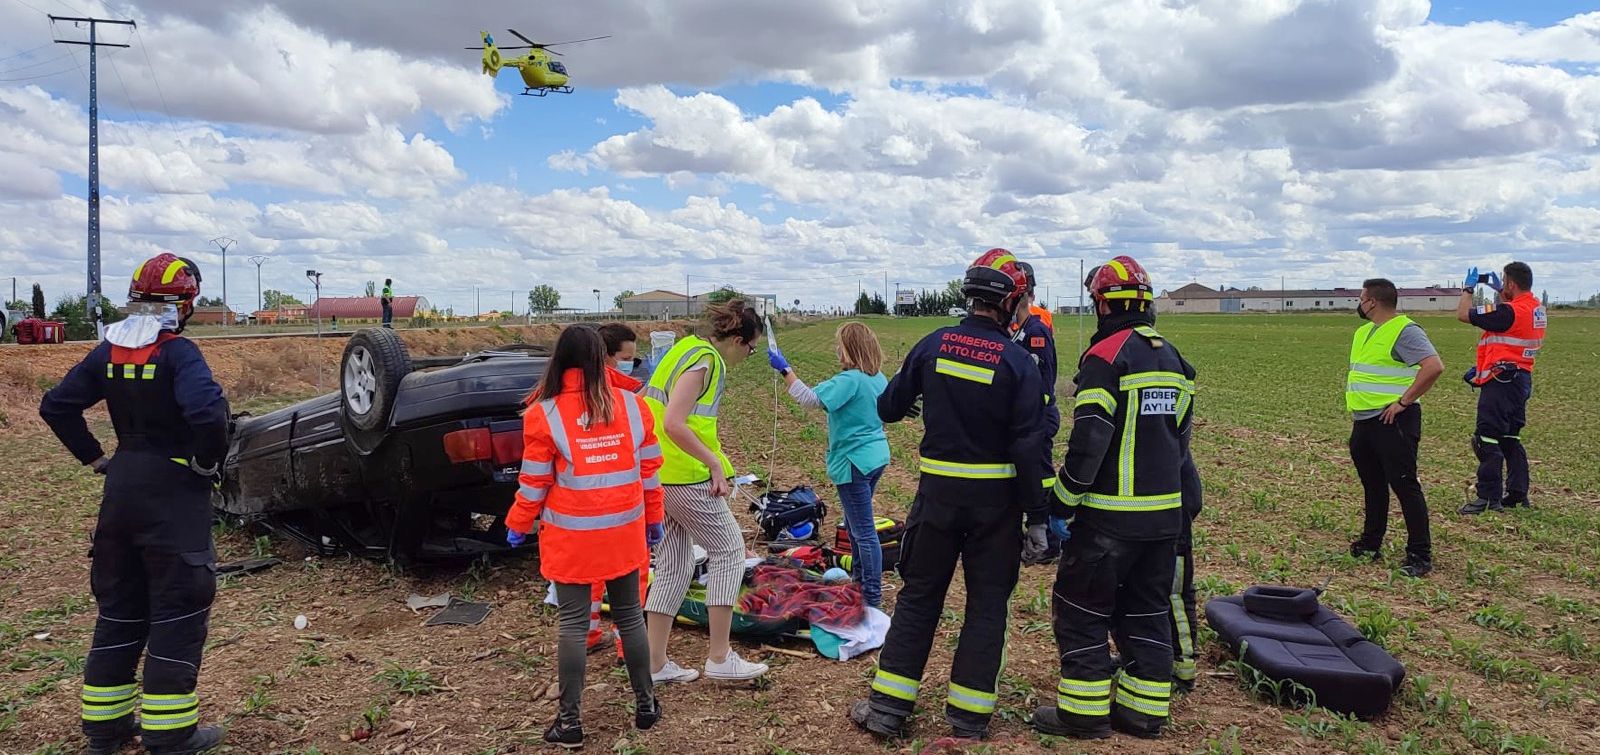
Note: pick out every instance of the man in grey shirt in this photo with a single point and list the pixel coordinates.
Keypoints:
(1392, 363)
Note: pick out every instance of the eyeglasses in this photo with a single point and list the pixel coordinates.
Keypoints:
(751, 349)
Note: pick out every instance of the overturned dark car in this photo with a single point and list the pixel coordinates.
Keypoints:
(412, 458)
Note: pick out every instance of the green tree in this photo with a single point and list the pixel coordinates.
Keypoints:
(38, 301)
(70, 310)
(543, 298)
(725, 294)
(621, 297)
(273, 299)
(208, 301)
(371, 289)
(18, 305)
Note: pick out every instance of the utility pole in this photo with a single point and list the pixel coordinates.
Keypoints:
(224, 242)
(477, 300)
(92, 298)
(886, 289)
(1282, 294)
(258, 261)
(1080, 307)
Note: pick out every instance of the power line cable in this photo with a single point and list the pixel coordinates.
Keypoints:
(40, 76)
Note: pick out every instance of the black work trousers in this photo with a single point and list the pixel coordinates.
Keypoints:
(1497, 439)
(1103, 585)
(1385, 457)
(988, 543)
(154, 577)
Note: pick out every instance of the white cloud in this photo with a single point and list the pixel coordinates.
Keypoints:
(1219, 140)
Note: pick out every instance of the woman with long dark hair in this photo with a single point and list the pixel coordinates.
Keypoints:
(589, 488)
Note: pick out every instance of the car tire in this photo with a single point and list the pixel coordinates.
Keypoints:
(374, 361)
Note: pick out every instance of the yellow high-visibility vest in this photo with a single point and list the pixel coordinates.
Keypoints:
(678, 467)
(1376, 379)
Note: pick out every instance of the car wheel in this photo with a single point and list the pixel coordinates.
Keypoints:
(374, 361)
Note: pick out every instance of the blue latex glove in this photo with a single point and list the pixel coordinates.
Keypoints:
(1061, 528)
(1494, 280)
(515, 538)
(653, 534)
(775, 358)
(1472, 278)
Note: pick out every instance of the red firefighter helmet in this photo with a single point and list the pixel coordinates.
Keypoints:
(165, 277)
(1121, 279)
(995, 278)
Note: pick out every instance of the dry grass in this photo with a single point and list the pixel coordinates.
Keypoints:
(1500, 643)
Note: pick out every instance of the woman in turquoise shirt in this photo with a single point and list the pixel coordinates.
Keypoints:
(858, 450)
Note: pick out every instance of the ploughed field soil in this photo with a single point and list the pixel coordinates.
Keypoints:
(1501, 643)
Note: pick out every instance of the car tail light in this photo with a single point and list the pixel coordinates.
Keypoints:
(463, 446)
(508, 447)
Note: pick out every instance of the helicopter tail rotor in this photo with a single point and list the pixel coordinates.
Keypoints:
(491, 56)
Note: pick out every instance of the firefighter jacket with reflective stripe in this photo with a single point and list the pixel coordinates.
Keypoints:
(1123, 473)
(1035, 336)
(593, 487)
(982, 413)
(680, 468)
(162, 400)
(1518, 345)
(1376, 379)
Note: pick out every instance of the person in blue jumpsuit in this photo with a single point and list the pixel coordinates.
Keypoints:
(154, 569)
(980, 471)
(1039, 339)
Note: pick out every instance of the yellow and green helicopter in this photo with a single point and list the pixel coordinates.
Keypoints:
(541, 74)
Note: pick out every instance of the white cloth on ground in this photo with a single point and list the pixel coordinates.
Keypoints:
(861, 638)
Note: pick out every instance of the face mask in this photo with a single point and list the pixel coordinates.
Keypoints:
(626, 367)
(169, 318)
(1362, 313)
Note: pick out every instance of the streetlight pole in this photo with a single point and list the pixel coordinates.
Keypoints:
(597, 301)
(258, 261)
(224, 242)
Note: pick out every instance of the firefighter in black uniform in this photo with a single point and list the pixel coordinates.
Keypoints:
(154, 569)
(1035, 335)
(980, 477)
(1121, 492)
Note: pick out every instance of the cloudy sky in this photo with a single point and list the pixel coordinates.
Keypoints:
(807, 148)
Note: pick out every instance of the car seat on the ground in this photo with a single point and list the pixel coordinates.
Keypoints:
(1286, 635)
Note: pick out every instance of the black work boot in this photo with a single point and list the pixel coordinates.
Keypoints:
(1047, 720)
(566, 732)
(1417, 566)
(201, 740)
(644, 718)
(113, 743)
(876, 722)
(1361, 552)
(1475, 507)
(1514, 500)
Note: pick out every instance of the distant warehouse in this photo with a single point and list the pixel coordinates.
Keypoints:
(1198, 298)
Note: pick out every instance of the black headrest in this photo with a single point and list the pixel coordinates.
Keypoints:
(1280, 602)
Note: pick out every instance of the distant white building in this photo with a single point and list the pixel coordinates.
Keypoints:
(1198, 298)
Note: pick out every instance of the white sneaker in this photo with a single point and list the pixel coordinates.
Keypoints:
(673, 673)
(734, 668)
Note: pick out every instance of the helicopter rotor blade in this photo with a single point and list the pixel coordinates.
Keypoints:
(573, 41)
(519, 36)
(498, 47)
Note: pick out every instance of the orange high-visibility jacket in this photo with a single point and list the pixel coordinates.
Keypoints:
(1520, 345)
(592, 489)
(1044, 314)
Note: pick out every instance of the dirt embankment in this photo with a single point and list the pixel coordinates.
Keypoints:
(251, 367)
